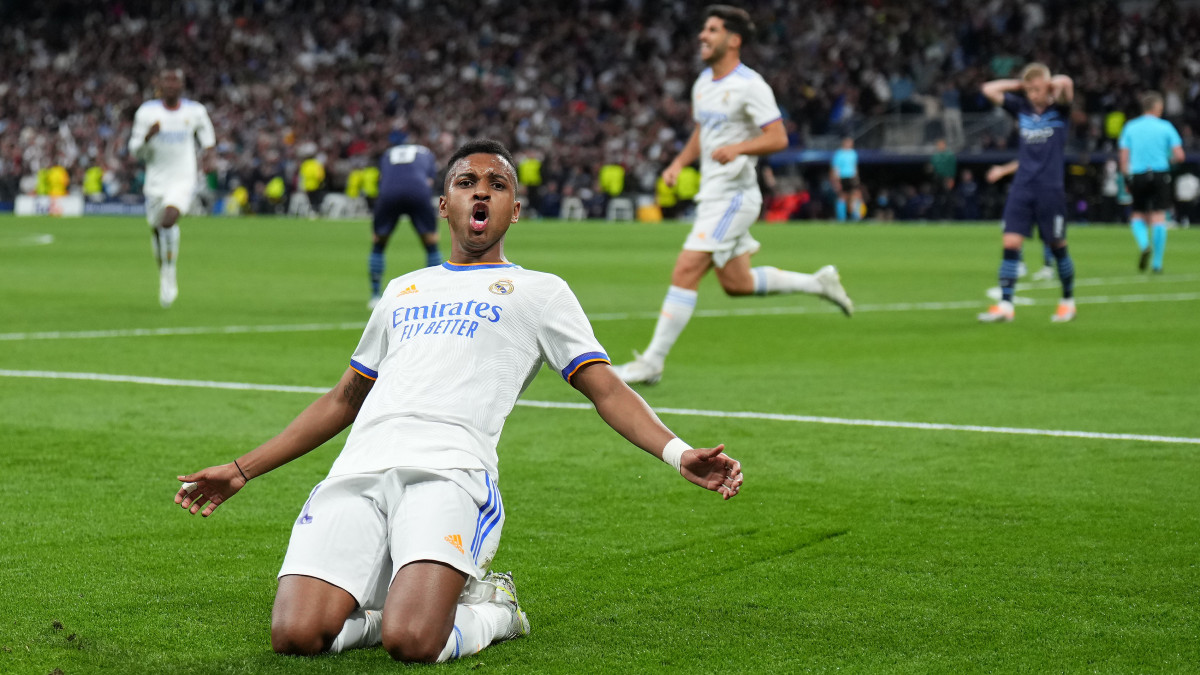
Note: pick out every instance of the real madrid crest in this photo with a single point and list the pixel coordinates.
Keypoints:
(502, 287)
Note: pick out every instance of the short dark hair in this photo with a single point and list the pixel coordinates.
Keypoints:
(737, 20)
(481, 146)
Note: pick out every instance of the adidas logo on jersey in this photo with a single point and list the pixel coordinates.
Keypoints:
(455, 540)
(410, 289)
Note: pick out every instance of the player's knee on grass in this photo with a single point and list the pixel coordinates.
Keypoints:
(411, 640)
(301, 638)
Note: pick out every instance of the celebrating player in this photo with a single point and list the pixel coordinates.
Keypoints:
(394, 545)
(1038, 193)
(1149, 145)
(730, 105)
(406, 175)
(165, 132)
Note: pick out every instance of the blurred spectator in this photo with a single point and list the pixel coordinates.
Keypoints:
(575, 83)
(944, 165)
(966, 197)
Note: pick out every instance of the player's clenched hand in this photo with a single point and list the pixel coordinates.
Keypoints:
(724, 154)
(712, 469)
(994, 174)
(212, 486)
(671, 174)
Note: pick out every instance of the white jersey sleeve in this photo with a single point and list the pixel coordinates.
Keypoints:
(205, 133)
(760, 103)
(373, 345)
(137, 138)
(565, 336)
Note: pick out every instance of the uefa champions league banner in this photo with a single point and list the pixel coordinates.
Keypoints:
(68, 206)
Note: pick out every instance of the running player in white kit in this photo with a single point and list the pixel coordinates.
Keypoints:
(737, 120)
(165, 133)
(393, 547)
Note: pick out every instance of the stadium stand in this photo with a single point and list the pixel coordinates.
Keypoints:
(578, 86)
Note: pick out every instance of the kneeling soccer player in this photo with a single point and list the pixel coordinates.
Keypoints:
(393, 547)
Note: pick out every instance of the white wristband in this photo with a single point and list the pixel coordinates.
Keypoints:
(673, 452)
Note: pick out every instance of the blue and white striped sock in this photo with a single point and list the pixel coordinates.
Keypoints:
(677, 310)
(1066, 272)
(1008, 273)
(433, 257)
(768, 280)
(475, 627)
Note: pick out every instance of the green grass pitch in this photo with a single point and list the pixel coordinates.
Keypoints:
(851, 548)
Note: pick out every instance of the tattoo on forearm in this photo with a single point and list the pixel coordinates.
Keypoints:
(356, 390)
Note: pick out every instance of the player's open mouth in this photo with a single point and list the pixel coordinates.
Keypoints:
(479, 217)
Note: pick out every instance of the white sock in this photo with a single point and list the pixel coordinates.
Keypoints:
(768, 280)
(475, 626)
(364, 628)
(169, 244)
(677, 309)
(156, 246)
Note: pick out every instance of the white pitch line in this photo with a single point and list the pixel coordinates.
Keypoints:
(1109, 281)
(612, 316)
(30, 240)
(771, 417)
(184, 330)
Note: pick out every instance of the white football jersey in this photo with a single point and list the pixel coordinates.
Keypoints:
(451, 348)
(730, 110)
(171, 155)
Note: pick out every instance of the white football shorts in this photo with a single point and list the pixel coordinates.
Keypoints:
(180, 196)
(722, 227)
(356, 531)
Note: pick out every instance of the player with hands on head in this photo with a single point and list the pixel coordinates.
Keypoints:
(1041, 104)
(394, 546)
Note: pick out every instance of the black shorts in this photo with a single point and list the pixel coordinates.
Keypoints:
(1151, 191)
(389, 209)
(849, 184)
(1047, 209)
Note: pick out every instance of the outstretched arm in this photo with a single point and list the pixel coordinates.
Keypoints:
(628, 415)
(322, 420)
(1001, 170)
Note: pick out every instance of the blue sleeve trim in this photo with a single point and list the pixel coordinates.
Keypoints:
(579, 361)
(363, 370)
(770, 122)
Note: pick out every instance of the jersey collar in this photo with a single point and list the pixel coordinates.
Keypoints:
(464, 267)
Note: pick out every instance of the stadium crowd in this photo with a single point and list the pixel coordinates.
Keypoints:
(578, 85)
